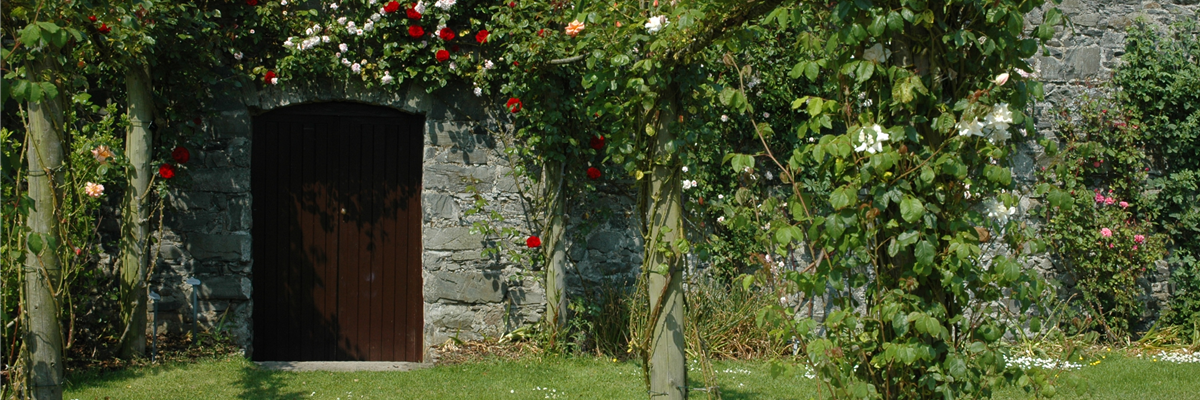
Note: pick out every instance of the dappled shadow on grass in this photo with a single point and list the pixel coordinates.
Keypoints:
(114, 378)
(257, 383)
(746, 393)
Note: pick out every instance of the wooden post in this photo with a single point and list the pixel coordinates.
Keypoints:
(43, 332)
(556, 249)
(135, 229)
(668, 364)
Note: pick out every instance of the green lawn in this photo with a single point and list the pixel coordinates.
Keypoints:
(574, 378)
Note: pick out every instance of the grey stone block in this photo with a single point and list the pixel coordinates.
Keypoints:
(452, 238)
(475, 156)
(439, 205)
(464, 287)
(225, 288)
(222, 180)
(231, 247)
(603, 241)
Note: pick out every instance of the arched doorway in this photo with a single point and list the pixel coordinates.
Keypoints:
(337, 234)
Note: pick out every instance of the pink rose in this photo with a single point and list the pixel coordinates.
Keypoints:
(1099, 197)
(1124, 204)
(1108, 201)
(1105, 232)
(1139, 239)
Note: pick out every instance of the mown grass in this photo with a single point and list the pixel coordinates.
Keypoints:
(233, 377)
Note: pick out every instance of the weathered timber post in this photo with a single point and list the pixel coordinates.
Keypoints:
(135, 227)
(668, 364)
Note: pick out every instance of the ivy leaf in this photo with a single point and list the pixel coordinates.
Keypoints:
(911, 209)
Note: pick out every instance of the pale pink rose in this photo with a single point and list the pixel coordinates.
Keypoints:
(1108, 201)
(1105, 232)
(1124, 204)
(93, 189)
(102, 153)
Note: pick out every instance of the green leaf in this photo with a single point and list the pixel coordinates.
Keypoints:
(998, 174)
(31, 35)
(877, 26)
(1060, 198)
(864, 4)
(911, 209)
(811, 70)
(900, 323)
(34, 243)
(783, 236)
(49, 90)
(895, 22)
(908, 238)
(864, 71)
(747, 280)
(924, 252)
(841, 198)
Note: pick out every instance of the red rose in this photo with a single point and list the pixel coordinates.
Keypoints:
(481, 36)
(541, 32)
(92, 18)
(516, 63)
(597, 142)
(513, 104)
(416, 31)
(533, 242)
(454, 48)
(442, 55)
(512, 4)
(181, 155)
(269, 78)
(593, 173)
(252, 2)
(104, 29)
(412, 13)
(446, 34)
(167, 171)
(391, 7)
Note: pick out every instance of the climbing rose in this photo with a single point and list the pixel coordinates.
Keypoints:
(442, 55)
(574, 28)
(93, 189)
(1099, 198)
(533, 242)
(481, 36)
(1105, 232)
(1139, 239)
(269, 77)
(181, 155)
(446, 34)
(1001, 79)
(513, 104)
(102, 153)
(1109, 201)
(391, 7)
(416, 31)
(92, 18)
(593, 173)
(167, 171)
(252, 2)
(412, 13)
(1124, 204)
(104, 29)
(597, 142)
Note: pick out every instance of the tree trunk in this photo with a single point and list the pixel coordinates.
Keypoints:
(556, 248)
(668, 365)
(135, 229)
(43, 335)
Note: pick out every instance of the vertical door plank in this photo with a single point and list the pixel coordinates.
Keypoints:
(347, 247)
(416, 305)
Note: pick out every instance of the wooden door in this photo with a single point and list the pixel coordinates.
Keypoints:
(337, 234)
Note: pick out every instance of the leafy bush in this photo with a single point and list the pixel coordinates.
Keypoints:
(1158, 78)
(1098, 222)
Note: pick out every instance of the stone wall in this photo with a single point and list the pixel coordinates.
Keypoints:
(207, 228)
(1081, 58)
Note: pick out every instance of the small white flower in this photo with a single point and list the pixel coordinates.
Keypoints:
(283, 2)
(694, 184)
(424, 43)
(783, 300)
(93, 189)
(998, 211)
(444, 4)
(358, 32)
(387, 77)
(656, 24)
(237, 56)
(333, 6)
(375, 17)
(871, 139)
(346, 62)
(338, 54)
(453, 66)
(356, 68)
(325, 39)
(687, 184)
(478, 92)
(724, 118)
(274, 81)
(999, 118)
(812, 139)
(341, 20)
(876, 53)
(308, 31)
(973, 128)
(685, 169)
(251, 31)
(487, 64)
(350, 26)
(420, 7)
(769, 175)
(766, 115)
(720, 220)
(720, 197)
(369, 26)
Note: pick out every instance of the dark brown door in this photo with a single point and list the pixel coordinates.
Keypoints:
(337, 234)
